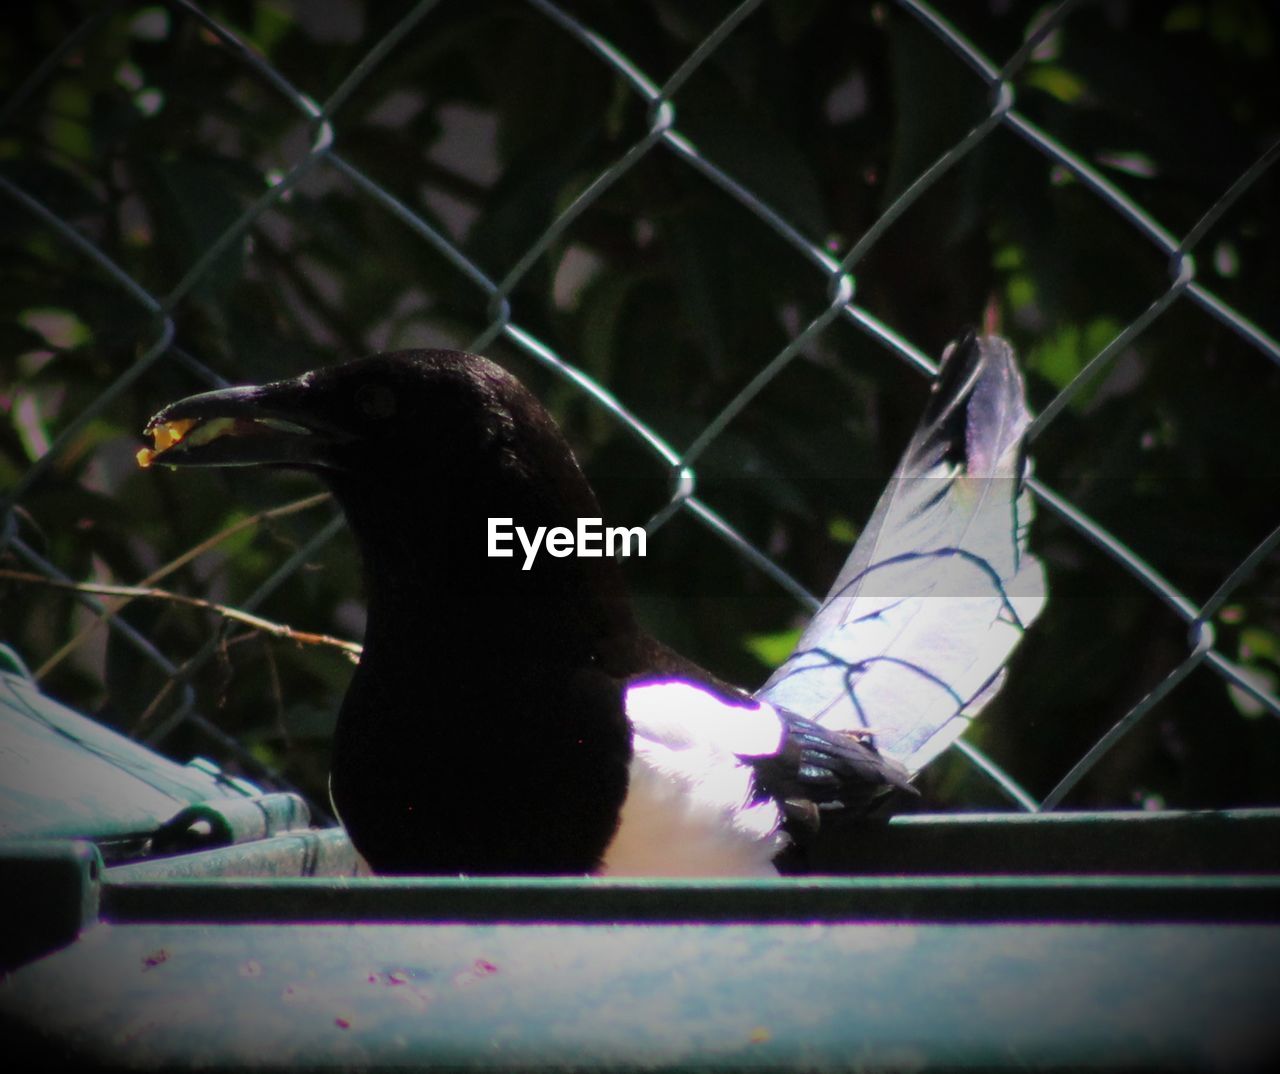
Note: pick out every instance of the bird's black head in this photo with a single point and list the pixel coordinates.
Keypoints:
(411, 409)
(421, 448)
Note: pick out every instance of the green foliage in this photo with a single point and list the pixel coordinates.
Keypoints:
(772, 649)
(149, 138)
(1060, 357)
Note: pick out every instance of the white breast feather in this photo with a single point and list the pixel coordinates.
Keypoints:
(689, 808)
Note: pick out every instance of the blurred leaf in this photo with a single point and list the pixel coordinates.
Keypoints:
(842, 530)
(772, 649)
(1246, 703)
(1241, 23)
(60, 329)
(1259, 644)
(1056, 81)
(1061, 356)
(1184, 16)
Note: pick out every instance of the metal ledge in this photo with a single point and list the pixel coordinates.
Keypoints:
(1132, 842)
(910, 899)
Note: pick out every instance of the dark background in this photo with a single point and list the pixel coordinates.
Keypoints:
(146, 135)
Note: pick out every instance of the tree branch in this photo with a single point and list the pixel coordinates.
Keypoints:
(131, 592)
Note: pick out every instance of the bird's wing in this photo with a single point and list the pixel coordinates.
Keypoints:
(912, 640)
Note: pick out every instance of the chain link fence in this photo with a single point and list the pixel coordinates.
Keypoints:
(246, 247)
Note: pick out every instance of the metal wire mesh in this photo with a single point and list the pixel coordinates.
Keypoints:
(831, 275)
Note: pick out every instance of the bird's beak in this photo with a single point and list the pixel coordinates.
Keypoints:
(257, 425)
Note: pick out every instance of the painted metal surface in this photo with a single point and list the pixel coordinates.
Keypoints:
(820, 995)
(64, 775)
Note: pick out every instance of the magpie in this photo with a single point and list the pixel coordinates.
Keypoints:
(514, 717)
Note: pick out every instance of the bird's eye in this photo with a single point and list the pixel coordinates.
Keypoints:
(376, 400)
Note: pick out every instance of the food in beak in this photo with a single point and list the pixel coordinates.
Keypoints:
(166, 434)
(169, 433)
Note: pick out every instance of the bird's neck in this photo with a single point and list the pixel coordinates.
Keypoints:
(429, 576)
(484, 730)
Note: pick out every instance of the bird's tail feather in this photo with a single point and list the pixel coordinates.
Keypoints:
(913, 636)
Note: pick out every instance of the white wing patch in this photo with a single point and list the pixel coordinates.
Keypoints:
(689, 808)
(682, 716)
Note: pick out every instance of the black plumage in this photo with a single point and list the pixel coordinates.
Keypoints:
(486, 728)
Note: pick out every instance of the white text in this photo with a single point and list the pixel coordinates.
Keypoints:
(592, 539)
